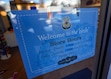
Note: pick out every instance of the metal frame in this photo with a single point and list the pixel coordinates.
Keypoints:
(107, 59)
(103, 36)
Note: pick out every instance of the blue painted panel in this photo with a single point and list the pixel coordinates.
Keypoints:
(47, 44)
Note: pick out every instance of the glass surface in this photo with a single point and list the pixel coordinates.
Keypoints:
(86, 67)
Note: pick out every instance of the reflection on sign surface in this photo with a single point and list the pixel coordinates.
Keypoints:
(47, 44)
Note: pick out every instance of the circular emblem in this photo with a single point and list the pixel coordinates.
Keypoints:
(66, 23)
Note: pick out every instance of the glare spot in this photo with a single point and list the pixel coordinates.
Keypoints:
(31, 30)
(48, 28)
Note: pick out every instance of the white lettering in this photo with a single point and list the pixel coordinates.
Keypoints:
(50, 36)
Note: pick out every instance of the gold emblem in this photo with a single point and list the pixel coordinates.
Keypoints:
(66, 23)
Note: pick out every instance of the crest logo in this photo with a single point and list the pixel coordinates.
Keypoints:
(66, 23)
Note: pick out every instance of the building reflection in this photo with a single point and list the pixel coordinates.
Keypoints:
(35, 4)
(22, 5)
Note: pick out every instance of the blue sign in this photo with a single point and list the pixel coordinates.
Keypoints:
(53, 40)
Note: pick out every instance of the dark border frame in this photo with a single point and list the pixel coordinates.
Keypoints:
(104, 61)
(102, 36)
(107, 59)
